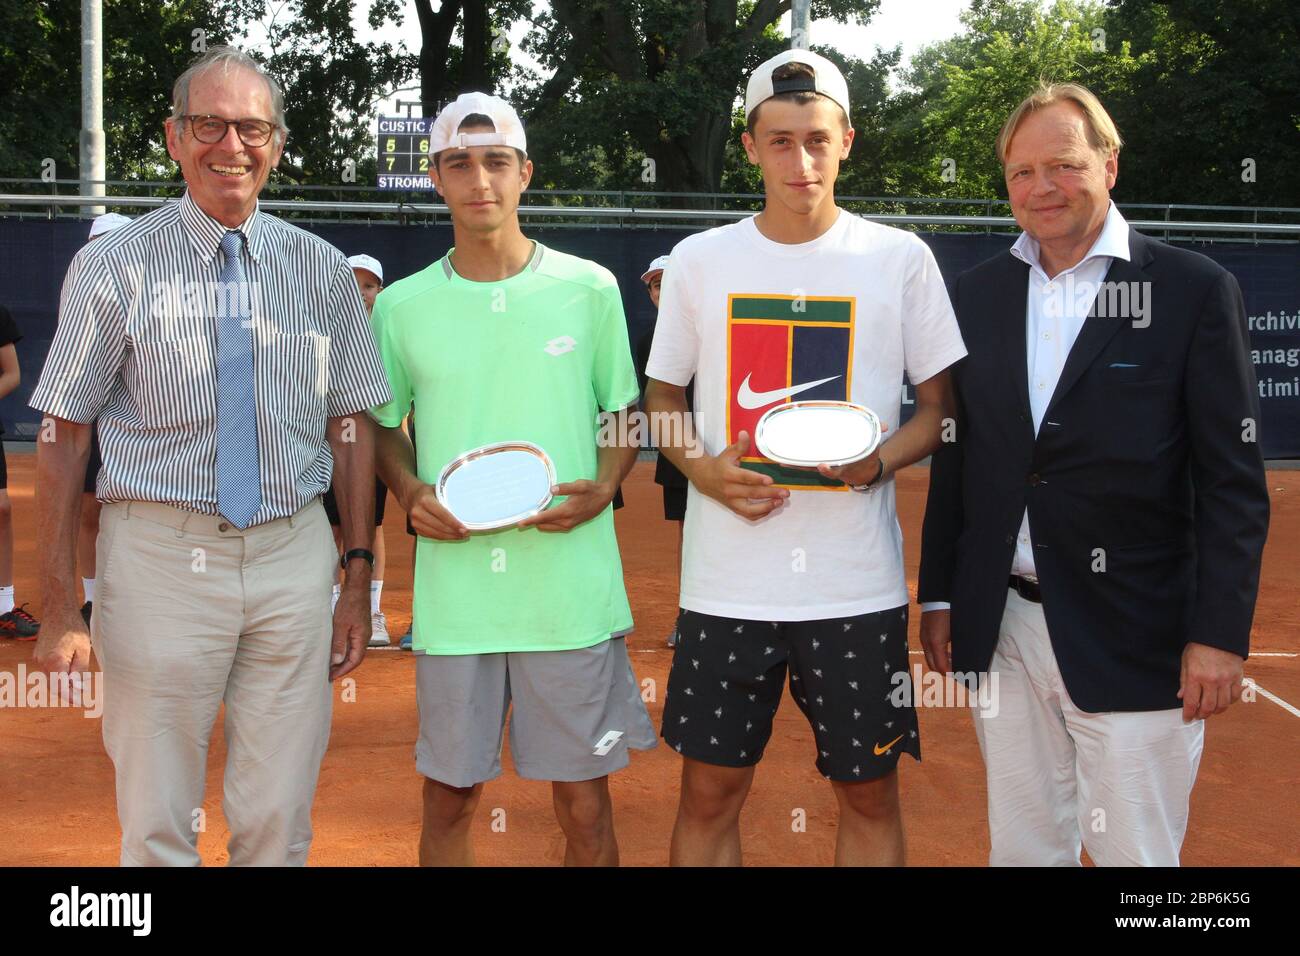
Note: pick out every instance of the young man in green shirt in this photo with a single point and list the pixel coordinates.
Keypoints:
(502, 340)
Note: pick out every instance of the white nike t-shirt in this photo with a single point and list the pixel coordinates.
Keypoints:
(758, 322)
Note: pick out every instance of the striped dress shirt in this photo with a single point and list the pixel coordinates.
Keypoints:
(136, 345)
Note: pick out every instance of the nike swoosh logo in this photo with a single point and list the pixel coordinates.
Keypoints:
(880, 750)
(746, 397)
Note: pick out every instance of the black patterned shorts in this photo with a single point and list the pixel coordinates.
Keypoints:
(846, 676)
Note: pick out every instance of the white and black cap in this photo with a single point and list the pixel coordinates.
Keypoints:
(826, 80)
(507, 128)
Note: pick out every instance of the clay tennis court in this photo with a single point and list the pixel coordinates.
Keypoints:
(56, 783)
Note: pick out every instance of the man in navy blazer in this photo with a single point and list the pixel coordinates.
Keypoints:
(1093, 533)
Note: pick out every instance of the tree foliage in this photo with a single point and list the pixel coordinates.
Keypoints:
(644, 94)
(332, 80)
(147, 44)
(636, 80)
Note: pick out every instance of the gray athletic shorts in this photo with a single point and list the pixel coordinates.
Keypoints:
(576, 713)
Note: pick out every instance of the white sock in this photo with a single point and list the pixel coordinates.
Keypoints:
(376, 589)
(6, 599)
(88, 585)
(334, 598)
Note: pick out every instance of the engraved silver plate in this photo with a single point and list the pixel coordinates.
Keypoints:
(496, 486)
(807, 434)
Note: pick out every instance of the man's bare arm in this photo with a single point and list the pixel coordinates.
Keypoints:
(921, 436)
(584, 498)
(395, 459)
(745, 492)
(62, 452)
(352, 442)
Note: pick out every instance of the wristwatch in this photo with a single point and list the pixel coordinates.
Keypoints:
(357, 553)
(874, 483)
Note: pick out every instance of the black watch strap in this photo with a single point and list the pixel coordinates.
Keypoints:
(357, 553)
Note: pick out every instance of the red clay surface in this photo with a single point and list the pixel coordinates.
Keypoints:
(56, 783)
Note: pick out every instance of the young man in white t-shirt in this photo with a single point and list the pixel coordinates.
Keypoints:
(787, 569)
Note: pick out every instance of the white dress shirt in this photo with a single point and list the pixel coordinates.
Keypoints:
(1055, 311)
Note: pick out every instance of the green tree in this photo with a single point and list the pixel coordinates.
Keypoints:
(657, 80)
(942, 128)
(331, 80)
(147, 44)
(1217, 84)
(482, 59)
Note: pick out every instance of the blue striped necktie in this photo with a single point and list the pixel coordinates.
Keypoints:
(239, 482)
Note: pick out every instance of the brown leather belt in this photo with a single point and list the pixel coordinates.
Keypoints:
(1026, 588)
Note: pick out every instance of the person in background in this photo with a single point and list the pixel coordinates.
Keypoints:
(88, 531)
(15, 622)
(667, 476)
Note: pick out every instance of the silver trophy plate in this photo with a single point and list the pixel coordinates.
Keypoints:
(807, 434)
(496, 486)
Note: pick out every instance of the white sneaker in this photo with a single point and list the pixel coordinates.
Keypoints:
(379, 630)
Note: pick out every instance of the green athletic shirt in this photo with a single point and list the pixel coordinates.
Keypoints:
(535, 357)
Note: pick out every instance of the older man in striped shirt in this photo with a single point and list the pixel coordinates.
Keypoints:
(226, 355)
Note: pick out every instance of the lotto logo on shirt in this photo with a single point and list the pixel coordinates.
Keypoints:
(783, 348)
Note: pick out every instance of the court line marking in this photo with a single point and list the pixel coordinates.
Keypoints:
(1253, 654)
(1274, 698)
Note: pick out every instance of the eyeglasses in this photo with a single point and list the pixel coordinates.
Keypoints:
(212, 129)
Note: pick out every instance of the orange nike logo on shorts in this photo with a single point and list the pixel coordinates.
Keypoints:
(880, 750)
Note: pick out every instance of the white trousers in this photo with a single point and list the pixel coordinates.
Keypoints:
(1058, 776)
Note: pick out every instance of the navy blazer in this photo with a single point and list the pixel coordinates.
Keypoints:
(1148, 505)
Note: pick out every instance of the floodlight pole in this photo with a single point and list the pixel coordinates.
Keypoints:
(92, 103)
(801, 24)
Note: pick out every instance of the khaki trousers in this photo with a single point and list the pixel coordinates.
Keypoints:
(191, 612)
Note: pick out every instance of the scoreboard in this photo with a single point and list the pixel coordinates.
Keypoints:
(403, 152)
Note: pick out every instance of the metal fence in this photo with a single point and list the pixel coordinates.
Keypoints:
(630, 209)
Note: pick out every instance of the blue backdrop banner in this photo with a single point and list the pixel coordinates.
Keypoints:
(34, 255)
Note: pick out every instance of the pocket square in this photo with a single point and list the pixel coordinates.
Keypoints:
(1122, 365)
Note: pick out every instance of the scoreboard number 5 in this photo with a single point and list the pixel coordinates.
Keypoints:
(390, 146)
